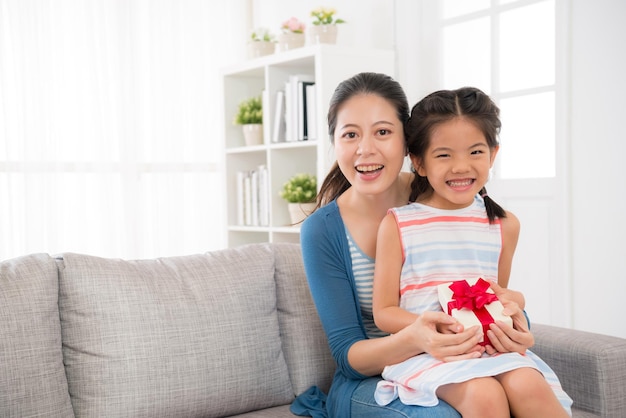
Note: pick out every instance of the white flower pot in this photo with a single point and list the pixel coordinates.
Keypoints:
(253, 134)
(322, 34)
(290, 40)
(299, 211)
(260, 48)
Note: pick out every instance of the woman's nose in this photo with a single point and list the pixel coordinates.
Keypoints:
(366, 145)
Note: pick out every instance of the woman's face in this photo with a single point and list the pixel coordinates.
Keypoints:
(369, 143)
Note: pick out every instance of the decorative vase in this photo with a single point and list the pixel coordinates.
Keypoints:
(299, 211)
(253, 133)
(260, 48)
(290, 40)
(322, 34)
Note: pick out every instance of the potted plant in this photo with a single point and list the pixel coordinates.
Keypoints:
(262, 42)
(250, 116)
(300, 192)
(324, 29)
(292, 34)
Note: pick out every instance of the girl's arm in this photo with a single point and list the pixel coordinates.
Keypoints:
(388, 315)
(505, 338)
(510, 233)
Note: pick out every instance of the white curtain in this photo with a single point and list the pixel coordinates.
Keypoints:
(109, 125)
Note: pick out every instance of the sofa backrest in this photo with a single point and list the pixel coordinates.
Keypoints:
(304, 343)
(32, 376)
(212, 334)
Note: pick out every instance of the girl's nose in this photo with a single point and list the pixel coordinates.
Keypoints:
(460, 165)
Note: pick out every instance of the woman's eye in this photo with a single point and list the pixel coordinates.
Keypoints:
(383, 132)
(349, 135)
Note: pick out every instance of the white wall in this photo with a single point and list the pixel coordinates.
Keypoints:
(597, 139)
(369, 23)
(598, 151)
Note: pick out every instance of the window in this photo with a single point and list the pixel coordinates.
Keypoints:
(108, 114)
(507, 49)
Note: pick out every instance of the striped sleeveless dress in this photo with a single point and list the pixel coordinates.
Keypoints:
(441, 246)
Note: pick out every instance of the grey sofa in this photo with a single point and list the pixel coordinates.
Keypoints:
(229, 332)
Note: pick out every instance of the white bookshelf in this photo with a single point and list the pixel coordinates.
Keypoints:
(328, 65)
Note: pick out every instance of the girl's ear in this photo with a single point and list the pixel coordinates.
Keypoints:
(416, 162)
(492, 157)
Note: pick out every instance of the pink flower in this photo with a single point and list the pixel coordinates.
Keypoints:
(293, 25)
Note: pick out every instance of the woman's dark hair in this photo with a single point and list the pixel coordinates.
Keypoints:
(364, 83)
(443, 106)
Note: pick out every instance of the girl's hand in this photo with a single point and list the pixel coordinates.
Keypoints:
(507, 339)
(444, 338)
(506, 295)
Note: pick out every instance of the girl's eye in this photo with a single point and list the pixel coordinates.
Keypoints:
(442, 155)
(476, 152)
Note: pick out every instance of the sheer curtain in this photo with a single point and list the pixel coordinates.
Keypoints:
(109, 125)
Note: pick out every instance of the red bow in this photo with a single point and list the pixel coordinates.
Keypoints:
(473, 298)
(470, 297)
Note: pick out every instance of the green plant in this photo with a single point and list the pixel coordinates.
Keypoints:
(301, 188)
(262, 34)
(249, 111)
(324, 16)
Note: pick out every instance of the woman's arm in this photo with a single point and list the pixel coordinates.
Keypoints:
(421, 336)
(325, 251)
(328, 271)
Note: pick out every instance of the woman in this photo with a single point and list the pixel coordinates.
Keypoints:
(366, 125)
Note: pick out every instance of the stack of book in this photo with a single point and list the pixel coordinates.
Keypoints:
(253, 197)
(295, 110)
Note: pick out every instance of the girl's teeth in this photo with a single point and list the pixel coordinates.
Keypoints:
(460, 183)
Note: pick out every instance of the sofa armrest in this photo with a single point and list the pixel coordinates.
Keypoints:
(591, 367)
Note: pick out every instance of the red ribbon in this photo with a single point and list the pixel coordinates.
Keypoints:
(473, 298)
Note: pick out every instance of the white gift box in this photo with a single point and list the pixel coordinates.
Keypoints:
(474, 303)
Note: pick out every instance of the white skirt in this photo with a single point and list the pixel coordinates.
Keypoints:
(415, 381)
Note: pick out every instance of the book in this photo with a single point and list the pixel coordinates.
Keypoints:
(311, 111)
(264, 187)
(302, 110)
(292, 107)
(241, 198)
(247, 205)
(254, 197)
(278, 130)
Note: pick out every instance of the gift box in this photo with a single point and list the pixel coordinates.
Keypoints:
(472, 303)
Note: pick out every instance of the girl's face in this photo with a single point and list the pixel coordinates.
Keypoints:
(369, 143)
(456, 163)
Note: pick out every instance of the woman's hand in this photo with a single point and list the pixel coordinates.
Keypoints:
(507, 339)
(444, 338)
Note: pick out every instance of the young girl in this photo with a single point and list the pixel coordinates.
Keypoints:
(454, 231)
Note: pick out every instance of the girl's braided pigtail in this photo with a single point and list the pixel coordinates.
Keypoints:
(493, 209)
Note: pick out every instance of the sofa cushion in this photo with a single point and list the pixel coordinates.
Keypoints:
(178, 337)
(304, 342)
(32, 376)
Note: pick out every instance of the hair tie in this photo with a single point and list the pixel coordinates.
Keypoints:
(484, 195)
